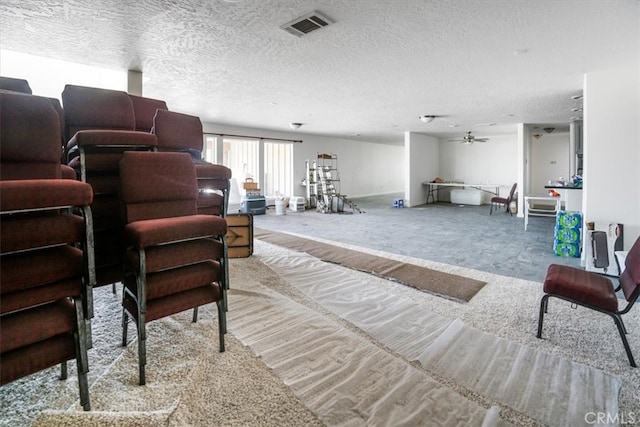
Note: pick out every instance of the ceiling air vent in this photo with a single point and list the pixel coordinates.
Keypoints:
(306, 23)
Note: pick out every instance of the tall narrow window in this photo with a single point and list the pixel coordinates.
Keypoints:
(210, 153)
(241, 156)
(278, 169)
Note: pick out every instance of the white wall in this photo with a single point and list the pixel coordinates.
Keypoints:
(612, 149)
(550, 160)
(365, 168)
(422, 160)
(494, 162)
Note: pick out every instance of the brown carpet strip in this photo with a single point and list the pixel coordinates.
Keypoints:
(446, 285)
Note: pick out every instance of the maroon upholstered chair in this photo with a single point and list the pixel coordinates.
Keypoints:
(100, 124)
(89, 108)
(174, 255)
(178, 132)
(46, 248)
(15, 85)
(144, 109)
(498, 201)
(594, 291)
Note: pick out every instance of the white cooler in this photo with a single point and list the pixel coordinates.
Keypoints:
(296, 204)
(466, 197)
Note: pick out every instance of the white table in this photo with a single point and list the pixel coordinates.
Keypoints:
(571, 197)
(529, 210)
(433, 187)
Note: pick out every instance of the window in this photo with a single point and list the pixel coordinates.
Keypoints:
(269, 164)
(278, 169)
(47, 77)
(241, 156)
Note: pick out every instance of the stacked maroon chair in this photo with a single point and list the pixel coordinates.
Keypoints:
(22, 86)
(144, 109)
(183, 133)
(15, 85)
(46, 264)
(173, 260)
(100, 124)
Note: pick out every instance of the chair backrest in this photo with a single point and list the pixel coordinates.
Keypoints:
(157, 185)
(15, 85)
(144, 109)
(630, 277)
(30, 135)
(512, 192)
(178, 132)
(92, 108)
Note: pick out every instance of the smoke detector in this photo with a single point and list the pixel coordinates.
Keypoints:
(306, 23)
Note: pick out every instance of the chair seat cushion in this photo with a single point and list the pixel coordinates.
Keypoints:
(36, 357)
(582, 286)
(44, 193)
(152, 232)
(174, 303)
(212, 171)
(40, 230)
(24, 270)
(29, 326)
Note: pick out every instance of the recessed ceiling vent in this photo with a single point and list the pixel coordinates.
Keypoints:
(306, 23)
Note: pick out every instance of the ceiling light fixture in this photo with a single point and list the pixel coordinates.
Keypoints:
(427, 118)
(295, 126)
(549, 130)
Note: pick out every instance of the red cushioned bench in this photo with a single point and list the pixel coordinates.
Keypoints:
(595, 291)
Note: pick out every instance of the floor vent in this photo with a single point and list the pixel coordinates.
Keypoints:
(306, 23)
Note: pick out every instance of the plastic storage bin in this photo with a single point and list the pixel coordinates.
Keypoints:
(256, 205)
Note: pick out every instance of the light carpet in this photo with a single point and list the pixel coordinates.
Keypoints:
(545, 387)
(317, 367)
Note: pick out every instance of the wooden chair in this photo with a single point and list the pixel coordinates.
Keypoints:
(591, 290)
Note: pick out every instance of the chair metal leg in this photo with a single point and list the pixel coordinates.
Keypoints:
(222, 324)
(63, 371)
(622, 323)
(142, 351)
(623, 335)
(82, 360)
(195, 315)
(125, 323)
(543, 309)
(490, 208)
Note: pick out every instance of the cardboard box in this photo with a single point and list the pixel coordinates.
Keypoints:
(240, 235)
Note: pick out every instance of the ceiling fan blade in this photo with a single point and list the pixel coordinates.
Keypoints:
(481, 139)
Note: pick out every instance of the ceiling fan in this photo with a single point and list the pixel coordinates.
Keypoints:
(469, 139)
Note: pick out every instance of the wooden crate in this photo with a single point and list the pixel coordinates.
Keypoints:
(240, 235)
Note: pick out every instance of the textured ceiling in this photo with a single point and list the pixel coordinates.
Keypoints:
(380, 66)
